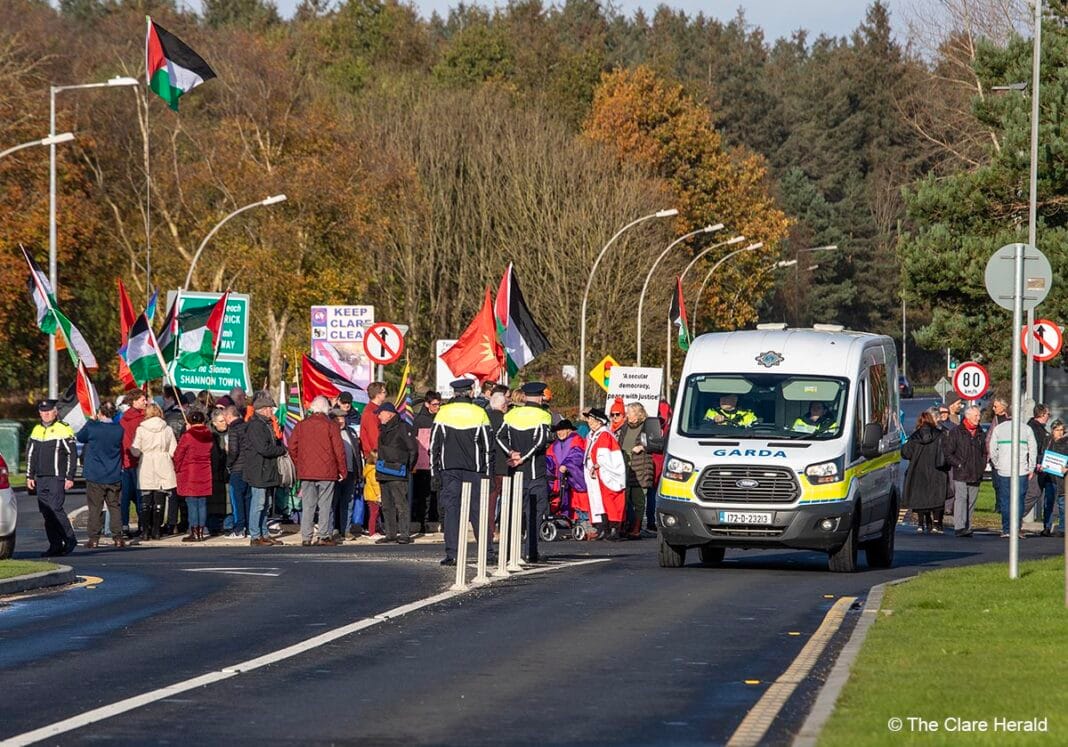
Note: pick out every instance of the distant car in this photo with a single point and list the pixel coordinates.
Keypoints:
(9, 513)
(904, 387)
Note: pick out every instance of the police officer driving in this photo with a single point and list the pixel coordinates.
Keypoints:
(728, 413)
(525, 436)
(51, 460)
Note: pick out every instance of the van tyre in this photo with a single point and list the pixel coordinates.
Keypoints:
(844, 559)
(880, 552)
(7, 546)
(670, 556)
(711, 556)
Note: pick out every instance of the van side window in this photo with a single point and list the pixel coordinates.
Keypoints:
(879, 396)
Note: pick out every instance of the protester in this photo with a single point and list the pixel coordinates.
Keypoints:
(424, 500)
(1059, 444)
(617, 415)
(376, 394)
(664, 418)
(606, 475)
(525, 436)
(1001, 459)
(240, 490)
(240, 401)
(397, 452)
(260, 449)
(999, 412)
(1041, 486)
(102, 470)
(172, 410)
(351, 415)
(316, 448)
(965, 452)
(154, 444)
(460, 453)
(372, 498)
(639, 438)
(192, 466)
(498, 406)
(205, 402)
(136, 400)
(926, 479)
(563, 465)
(345, 489)
(218, 518)
(51, 461)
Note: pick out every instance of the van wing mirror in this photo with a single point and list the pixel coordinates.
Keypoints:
(869, 444)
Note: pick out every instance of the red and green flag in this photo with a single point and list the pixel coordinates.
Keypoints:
(52, 321)
(677, 315)
(172, 67)
(517, 331)
(200, 332)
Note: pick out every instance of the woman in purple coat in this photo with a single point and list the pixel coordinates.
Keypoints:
(564, 468)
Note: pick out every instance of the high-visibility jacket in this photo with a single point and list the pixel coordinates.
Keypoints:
(739, 418)
(460, 438)
(526, 430)
(52, 451)
(823, 425)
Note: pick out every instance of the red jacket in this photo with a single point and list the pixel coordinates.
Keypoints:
(192, 462)
(369, 429)
(316, 448)
(129, 422)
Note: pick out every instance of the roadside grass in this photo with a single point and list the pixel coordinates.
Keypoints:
(966, 643)
(12, 568)
(17, 480)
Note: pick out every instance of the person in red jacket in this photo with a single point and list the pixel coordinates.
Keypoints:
(376, 394)
(319, 457)
(192, 466)
(135, 413)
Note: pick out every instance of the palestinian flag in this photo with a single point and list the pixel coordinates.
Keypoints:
(517, 331)
(167, 339)
(171, 66)
(677, 316)
(200, 332)
(87, 396)
(69, 409)
(52, 321)
(127, 317)
(317, 380)
(141, 352)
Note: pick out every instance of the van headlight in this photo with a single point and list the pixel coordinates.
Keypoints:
(825, 472)
(677, 469)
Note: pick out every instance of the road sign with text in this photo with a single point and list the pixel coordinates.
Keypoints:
(971, 381)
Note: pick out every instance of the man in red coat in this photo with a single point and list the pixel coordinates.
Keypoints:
(135, 413)
(369, 425)
(319, 457)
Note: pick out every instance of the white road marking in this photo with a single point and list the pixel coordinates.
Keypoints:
(129, 704)
(239, 571)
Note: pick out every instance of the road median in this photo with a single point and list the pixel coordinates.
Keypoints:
(17, 576)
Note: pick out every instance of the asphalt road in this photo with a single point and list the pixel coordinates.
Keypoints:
(620, 652)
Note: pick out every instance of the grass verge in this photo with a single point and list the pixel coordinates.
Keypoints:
(12, 568)
(963, 643)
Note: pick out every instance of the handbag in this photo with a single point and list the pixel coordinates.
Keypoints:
(287, 471)
(391, 469)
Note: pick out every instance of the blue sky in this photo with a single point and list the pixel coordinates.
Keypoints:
(776, 17)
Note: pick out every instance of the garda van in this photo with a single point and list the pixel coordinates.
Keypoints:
(783, 438)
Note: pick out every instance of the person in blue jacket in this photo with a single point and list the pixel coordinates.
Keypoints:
(102, 469)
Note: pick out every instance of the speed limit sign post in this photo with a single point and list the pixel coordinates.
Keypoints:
(971, 381)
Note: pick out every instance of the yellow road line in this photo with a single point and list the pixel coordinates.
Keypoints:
(761, 716)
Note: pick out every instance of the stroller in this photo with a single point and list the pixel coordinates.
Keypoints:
(559, 524)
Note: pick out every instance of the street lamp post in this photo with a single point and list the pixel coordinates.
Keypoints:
(704, 283)
(670, 213)
(192, 265)
(649, 275)
(63, 137)
(53, 357)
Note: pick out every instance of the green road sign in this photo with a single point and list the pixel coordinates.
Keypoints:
(235, 325)
(219, 378)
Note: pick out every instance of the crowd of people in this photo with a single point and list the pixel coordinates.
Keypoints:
(949, 452)
(202, 466)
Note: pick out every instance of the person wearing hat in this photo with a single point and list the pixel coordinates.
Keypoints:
(563, 463)
(460, 452)
(525, 437)
(352, 417)
(397, 453)
(51, 459)
(260, 450)
(606, 475)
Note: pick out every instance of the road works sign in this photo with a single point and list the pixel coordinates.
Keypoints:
(601, 373)
(971, 380)
(1043, 341)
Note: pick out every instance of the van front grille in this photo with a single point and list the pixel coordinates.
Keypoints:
(748, 484)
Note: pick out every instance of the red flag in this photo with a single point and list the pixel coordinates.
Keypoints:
(317, 379)
(478, 351)
(87, 396)
(127, 317)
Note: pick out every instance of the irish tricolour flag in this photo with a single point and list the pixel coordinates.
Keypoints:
(172, 67)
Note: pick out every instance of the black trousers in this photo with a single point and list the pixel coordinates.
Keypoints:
(51, 495)
(452, 481)
(395, 511)
(97, 495)
(424, 500)
(535, 507)
(155, 505)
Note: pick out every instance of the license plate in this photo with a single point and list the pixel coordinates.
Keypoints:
(745, 517)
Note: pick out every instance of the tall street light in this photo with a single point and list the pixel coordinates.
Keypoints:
(63, 137)
(649, 275)
(670, 213)
(262, 203)
(53, 357)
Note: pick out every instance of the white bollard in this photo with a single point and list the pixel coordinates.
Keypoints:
(504, 546)
(515, 561)
(485, 537)
(461, 538)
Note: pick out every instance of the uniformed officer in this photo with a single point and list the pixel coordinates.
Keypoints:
(525, 436)
(728, 413)
(818, 420)
(51, 459)
(459, 452)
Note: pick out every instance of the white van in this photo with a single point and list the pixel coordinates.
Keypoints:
(783, 438)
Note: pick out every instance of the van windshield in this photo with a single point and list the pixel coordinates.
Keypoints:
(785, 406)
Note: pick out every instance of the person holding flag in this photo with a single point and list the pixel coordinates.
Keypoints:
(51, 461)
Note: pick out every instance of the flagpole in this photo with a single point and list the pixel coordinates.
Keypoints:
(148, 199)
(300, 395)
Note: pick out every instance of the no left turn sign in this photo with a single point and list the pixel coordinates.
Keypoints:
(1042, 341)
(970, 381)
(383, 343)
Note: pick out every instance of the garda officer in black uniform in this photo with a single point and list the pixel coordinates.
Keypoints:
(525, 437)
(51, 459)
(459, 452)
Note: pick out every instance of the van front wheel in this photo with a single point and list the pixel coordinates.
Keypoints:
(844, 559)
(670, 556)
(880, 552)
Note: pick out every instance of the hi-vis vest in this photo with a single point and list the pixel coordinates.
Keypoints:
(51, 451)
(739, 418)
(526, 430)
(460, 438)
(803, 425)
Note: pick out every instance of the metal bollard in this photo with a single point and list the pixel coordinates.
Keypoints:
(461, 537)
(485, 537)
(504, 546)
(515, 561)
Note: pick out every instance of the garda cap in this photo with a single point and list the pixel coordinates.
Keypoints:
(461, 386)
(45, 405)
(534, 388)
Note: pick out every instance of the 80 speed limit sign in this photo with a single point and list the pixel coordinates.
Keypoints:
(971, 380)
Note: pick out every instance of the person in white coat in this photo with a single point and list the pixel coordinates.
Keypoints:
(1001, 459)
(606, 475)
(155, 444)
